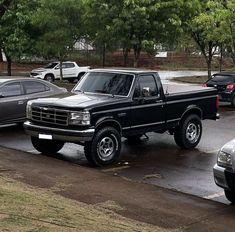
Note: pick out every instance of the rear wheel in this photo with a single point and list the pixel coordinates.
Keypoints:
(233, 102)
(230, 195)
(48, 147)
(105, 147)
(49, 78)
(80, 75)
(189, 132)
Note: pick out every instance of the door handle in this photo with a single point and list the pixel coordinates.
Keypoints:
(20, 102)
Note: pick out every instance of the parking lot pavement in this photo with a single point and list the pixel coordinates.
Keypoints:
(158, 206)
(157, 160)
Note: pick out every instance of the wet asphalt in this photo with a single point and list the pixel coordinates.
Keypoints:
(155, 160)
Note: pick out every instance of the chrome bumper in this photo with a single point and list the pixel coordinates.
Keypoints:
(219, 176)
(64, 135)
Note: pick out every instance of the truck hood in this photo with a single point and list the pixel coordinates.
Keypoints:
(40, 70)
(78, 101)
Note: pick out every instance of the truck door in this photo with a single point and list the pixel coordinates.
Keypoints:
(147, 110)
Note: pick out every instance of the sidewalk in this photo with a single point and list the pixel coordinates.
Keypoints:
(145, 203)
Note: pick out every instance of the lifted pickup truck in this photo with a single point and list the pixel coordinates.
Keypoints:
(109, 104)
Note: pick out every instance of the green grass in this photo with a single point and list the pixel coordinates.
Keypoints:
(25, 208)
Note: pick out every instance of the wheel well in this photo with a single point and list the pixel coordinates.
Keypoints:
(81, 74)
(196, 111)
(110, 123)
(50, 74)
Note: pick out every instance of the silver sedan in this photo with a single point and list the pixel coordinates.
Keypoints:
(16, 92)
(224, 170)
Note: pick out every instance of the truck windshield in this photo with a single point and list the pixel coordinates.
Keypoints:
(51, 65)
(105, 83)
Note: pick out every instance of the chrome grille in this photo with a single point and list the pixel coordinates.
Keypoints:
(50, 115)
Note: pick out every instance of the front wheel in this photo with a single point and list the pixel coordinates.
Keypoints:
(189, 132)
(49, 78)
(105, 147)
(47, 147)
(230, 195)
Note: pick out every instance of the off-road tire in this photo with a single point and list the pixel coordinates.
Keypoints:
(47, 147)
(189, 132)
(105, 147)
(230, 196)
(49, 78)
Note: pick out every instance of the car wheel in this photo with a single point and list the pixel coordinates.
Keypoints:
(71, 80)
(47, 147)
(49, 78)
(80, 75)
(230, 195)
(105, 147)
(189, 132)
(233, 102)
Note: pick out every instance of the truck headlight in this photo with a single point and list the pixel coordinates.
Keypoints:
(28, 111)
(79, 118)
(224, 159)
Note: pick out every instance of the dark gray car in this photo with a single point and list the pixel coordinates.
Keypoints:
(16, 92)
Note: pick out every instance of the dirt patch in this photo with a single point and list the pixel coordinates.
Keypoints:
(191, 80)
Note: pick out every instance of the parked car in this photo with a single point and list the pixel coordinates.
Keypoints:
(224, 82)
(71, 71)
(16, 92)
(109, 104)
(224, 170)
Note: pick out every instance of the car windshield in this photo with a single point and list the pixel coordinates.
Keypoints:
(51, 65)
(105, 83)
(222, 78)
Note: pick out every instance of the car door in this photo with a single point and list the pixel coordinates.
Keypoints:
(147, 110)
(12, 102)
(69, 70)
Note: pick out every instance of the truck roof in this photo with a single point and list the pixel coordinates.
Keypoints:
(124, 70)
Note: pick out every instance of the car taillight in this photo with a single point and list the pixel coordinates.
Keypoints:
(217, 102)
(204, 85)
(230, 86)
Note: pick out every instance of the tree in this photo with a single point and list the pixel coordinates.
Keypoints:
(58, 24)
(15, 30)
(4, 6)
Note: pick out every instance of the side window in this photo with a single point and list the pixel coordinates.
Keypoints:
(35, 87)
(148, 86)
(11, 90)
(68, 65)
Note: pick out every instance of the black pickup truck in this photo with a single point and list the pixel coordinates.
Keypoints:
(109, 104)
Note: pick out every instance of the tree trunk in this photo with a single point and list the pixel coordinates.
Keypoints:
(1, 58)
(104, 55)
(209, 67)
(61, 71)
(221, 58)
(125, 56)
(137, 50)
(9, 62)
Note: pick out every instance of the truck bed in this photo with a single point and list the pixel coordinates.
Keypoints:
(175, 89)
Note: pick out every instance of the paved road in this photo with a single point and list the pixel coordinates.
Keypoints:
(157, 160)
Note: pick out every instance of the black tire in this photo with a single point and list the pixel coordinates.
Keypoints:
(47, 147)
(71, 80)
(80, 75)
(233, 102)
(105, 147)
(230, 196)
(49, 78)
(189, 132)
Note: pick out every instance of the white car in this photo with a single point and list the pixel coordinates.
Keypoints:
(71, 71)
(224, 170)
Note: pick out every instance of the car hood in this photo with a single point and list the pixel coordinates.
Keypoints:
(229, 147)
(78, 101)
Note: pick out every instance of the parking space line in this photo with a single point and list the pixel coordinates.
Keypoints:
(216, 195)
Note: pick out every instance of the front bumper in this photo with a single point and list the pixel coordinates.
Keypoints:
(65, 135)
(224, 178)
